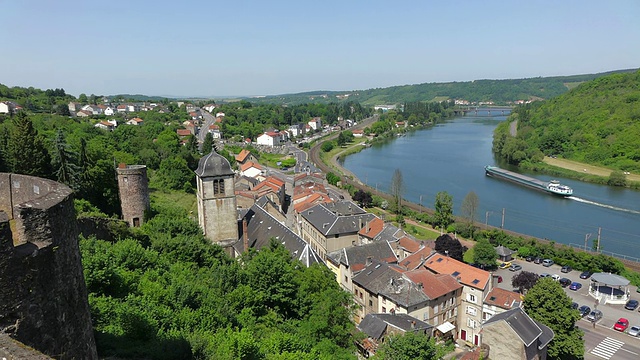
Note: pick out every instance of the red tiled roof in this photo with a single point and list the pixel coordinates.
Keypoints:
(433, 285)
(468, 275)
(183, 132)
(250, 164)
(502, 298)
(243, 155)
(409, 244)
(373, 228)
(416, 259)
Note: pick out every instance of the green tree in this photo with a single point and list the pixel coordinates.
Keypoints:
(397, 190)
(484, 253)
(617, 178)
(207, 144)
(410, 346)
(443, 215)
(470, 205)
(333, 178)
(174, 173)
(64, 162)
(27, 152)
(327, 146)
(82, 98)
(547, 303)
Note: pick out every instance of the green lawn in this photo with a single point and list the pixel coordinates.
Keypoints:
(178, 199)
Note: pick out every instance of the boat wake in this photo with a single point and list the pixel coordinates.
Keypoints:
(585, 201)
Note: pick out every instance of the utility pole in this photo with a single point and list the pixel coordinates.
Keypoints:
(599, 231)
(420, 204)
(502, 224)
(586, 238)
(486, 218)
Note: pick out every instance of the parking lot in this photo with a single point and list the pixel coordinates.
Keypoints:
(611, 313)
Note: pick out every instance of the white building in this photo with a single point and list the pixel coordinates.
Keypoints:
(269, 138)
(316, 123)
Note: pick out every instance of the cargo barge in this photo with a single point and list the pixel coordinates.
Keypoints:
(552, 187)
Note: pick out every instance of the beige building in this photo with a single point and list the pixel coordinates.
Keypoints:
(514, 335)
(476, 285)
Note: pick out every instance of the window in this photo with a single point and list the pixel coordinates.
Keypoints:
(384, 309)
(218, 186)
(471, 311)
(486, 316)
(471, 323)
(425, 315)
(360, 294)
(471, 298)
(370, 303)
(435, 309)
(346, 279)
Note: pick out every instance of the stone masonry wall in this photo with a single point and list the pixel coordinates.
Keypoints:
(43, 302)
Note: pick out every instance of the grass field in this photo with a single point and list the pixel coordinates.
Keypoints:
(585, 168)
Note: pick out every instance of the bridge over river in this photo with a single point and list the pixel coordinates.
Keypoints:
(485, 111)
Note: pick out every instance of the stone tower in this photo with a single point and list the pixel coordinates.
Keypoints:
(217, 212)
(133, 187)
(43, 297)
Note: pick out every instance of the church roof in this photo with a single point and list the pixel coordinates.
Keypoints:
(213, 164)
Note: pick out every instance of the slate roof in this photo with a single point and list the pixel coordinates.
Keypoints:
(262, 226)
(504, 251)
(380, 278)
(527, 329)
(213, 164)
(375, 325)
(389, 233)
(467, 274)
(355, 257)
(343, 217)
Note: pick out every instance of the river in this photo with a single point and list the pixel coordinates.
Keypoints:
(451, 157)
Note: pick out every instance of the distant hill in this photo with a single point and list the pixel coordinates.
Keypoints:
(598, 122)
(499, 91)
(139, 97)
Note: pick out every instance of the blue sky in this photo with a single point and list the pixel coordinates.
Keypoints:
(228, 48)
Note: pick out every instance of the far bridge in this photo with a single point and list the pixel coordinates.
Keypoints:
(484, 111)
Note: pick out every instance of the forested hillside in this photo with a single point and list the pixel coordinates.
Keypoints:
(597, 123)
(501, 92)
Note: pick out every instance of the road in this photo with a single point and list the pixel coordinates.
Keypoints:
(601, 342)
(207, 120)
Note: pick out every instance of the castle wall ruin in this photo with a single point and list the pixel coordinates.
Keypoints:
(43, 297)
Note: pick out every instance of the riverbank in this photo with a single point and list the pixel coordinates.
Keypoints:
(585, 168)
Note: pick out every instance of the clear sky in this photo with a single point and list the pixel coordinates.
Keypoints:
(239, 47)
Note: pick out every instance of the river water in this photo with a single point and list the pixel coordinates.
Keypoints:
(451, 157)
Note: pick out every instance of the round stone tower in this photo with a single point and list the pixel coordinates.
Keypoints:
(133, 187)
(217, 212)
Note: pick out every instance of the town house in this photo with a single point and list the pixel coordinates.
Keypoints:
(476, 285)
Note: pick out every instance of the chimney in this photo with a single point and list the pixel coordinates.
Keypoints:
(369, 261)
(245, 236)
(413, 324)
(122, 166)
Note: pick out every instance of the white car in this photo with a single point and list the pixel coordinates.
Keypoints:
(634, 331)
(555, 277)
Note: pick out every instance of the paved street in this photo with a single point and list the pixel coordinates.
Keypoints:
(601, 342)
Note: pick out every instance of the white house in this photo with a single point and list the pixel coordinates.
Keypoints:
(109, 110)
(209, 107)
(269, 138)
(94, 109)
(251, 169)
(107, 125)
(135, 121)
(215, 131)
(316, 123)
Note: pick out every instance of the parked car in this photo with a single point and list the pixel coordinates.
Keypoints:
(566, 269)
(575, 286)
(621, 325)
(537, 260)
(594, 316)
(555, 277)
(564, 282)
(505, 265)
(584, 310)
(544, 275)
(499, 278)
(515, 267)
(631, 304)
(547, 262)
(529, 258)
(575, 305)
(634, 330)
(585, 275)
